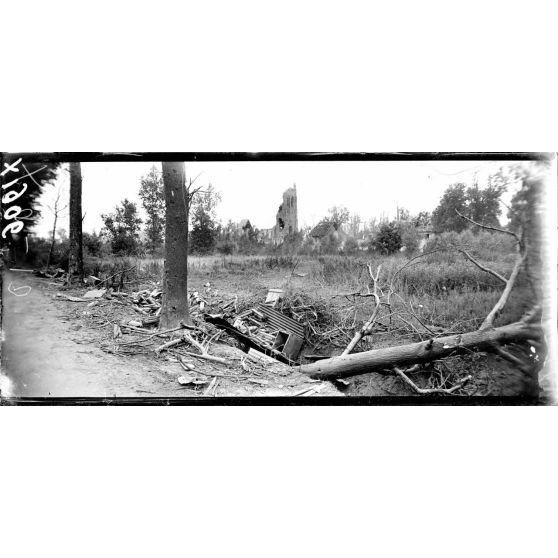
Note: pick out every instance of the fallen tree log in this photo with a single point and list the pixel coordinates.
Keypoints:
(379, 360)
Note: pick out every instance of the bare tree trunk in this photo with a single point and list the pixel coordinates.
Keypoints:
(76, 238)
(52, 241)
(425, 351)
(175, 280)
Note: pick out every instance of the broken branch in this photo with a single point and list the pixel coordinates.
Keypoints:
(379, 360)
(489, 227)
(367, 327)
(499, 306)
(482, 267)
(428, 391)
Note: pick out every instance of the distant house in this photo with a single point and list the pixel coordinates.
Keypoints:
(327, 235)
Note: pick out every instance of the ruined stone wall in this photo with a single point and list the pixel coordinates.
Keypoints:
(286, 220)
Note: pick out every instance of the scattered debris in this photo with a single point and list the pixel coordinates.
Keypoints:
(95, 293)
(258, 381)
(58, 273)
(192, 379)
(257, 356)
(92, 280)
(73, 298)
(211, 387)
(308, 391)
(276, 333)
(273, 297)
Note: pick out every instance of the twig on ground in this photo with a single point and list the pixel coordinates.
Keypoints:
(211, 386)
(171, 343)
(426, 391)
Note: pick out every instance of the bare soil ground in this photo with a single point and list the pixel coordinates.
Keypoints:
(50, 348)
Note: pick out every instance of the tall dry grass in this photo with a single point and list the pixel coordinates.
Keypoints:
(442, 287)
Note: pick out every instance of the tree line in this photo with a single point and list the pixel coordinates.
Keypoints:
(125, 233)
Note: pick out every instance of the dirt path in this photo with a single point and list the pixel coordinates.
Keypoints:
(45, 352)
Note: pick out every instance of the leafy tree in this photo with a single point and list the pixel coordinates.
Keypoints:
(444, 217)
(409, 235)
(204, 221)
(480, 204)
(483, 205)
(422, 219)
(388, 238)
(248, 241)
(93, 244)
(526, 201)
(403, 214)
(153, 201)
(122, 228)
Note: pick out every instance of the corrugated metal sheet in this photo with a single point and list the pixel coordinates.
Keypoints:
(280, 321)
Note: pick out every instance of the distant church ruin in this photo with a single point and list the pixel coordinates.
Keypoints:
(286, 220)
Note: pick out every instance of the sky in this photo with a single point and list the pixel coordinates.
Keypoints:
(253, 190)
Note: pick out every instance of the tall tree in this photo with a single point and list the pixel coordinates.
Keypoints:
(75, 266)
(123, 227)
(153, 201)
(444, 217)
(483, 205)
(354, 224)
(204, 220)
(175, 278)
(403, 214)
(56, 210)
(422, 219)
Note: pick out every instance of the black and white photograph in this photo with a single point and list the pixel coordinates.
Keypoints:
(278, 279)
(305, 276)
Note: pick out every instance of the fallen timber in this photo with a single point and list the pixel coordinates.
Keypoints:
(383, 360)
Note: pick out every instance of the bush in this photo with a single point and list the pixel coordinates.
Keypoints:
(388, 238)
(351, 246)
(225, 247)
(93, 245)
(410, 237)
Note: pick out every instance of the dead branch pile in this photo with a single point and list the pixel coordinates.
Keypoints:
(326, 325)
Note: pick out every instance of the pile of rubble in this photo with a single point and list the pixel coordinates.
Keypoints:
(262, 331)
(221, 347)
